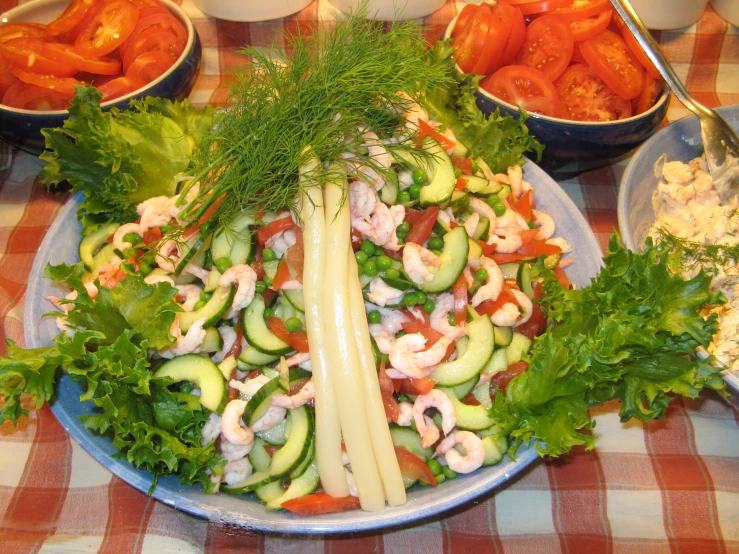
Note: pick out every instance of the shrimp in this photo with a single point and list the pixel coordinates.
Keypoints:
(154, 278)
(197, 271)
(228, 336)
(187, 344)
(562, 243)
(298, 359)
(505, 241)
(439, 319)
(397, 212)
(271, 418)
(211, 429)
(494, 284)
(373, 218)
(122, 231)
(187, 296)
(677, 172)
(515, 179)
(474, 451)
(281, 241)
(483, 208)
(405, 415)
(246, 279)
(511, 315)
(236, 471)
(416, 262)
(512, 220)
(168, 256)
(231, 425)
(234, 451)
(377, 150)
(154, 212)
(546, 225)
(408, 357)
(383, 338)
(381, 293)
(302, 397)
(250, 387)
(433, 399)
(471, 223)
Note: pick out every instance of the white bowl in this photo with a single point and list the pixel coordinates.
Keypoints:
(727, 9)
(670, 14)
(250, 10)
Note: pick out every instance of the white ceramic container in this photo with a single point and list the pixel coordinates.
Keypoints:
(728, 9)
(250, 10)
(389, 10)
(670, 14)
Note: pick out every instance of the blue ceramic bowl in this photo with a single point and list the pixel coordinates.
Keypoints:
(572, 147)
(22, 128)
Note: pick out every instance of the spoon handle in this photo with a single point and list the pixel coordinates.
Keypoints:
(652, 49)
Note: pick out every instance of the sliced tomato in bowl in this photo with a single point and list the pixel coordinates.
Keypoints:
(639, 53)
(472, 39)
(585, 97)
(66, 54)
(23, 96)
(501, 24)
(62, 85)
(150, 65)
(108, 29)
(463, 18)
(515, 38)
(159, 17)
(71, 16)
(648, 96)
(581, 9)
(583, 29)
(9, 31)
(547, 46)
(525, 87)
(152, 39)
(120, 86)
(610, 57)
(533, 7)
(26, 54)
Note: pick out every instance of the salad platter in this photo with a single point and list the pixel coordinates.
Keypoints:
(60, 245)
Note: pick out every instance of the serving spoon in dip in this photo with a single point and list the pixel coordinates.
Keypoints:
(720, 142)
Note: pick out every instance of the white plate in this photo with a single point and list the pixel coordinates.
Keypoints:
(60, 245)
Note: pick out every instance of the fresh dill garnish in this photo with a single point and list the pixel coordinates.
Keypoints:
(329, 85)
(699, 254)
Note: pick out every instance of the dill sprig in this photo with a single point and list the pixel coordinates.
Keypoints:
(329, 85)
(693, 254)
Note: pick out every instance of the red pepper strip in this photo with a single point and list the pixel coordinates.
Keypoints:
(419, 314)
(421, 230)
(460, 300)
(295, 256)
(470, 400)
(151, 235)
(489, 307)
(394, 254)
(397, 384)
(257, 267)
(501, 380)
(528, 236)
(464, 164)
(537, 323)
(282, 275)
(236, 348)
(461, 183)
(432, 336)
(412, 215)
(414, 467)
(525, 204)
(561, 276)
(533, 249)
(203, 219)
(487, 249)
(426, 130)
(297, 341)
(268, 295)
(416, 386)
(271, 229)
(386, 391)
(319, 503)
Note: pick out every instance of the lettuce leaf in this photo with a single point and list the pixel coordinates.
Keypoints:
(500, 140)
(120, 158)
(630, 335)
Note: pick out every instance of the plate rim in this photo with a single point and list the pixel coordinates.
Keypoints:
(189, 499)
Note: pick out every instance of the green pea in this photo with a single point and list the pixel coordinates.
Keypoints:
(475, 167)
(532, 225)
(436, 243)
(410, 299)
(185, 387)
(452, 319)
(434, 466)
(420, 297)
(361, 257)
(404, 197)
(205, 296)
(260, 287)
(457, 172)
(481, 274)
(222, 264)
(499, 209)
(370, 268)
(269, 312)
(384, 262)
(492, 200)
(133, 238)
(293, 325)
(129, 253)
(374, 317)
(392, 273)
(145, 269)
(404, 227)
(415, 191)
(368, 248)
(268, 255)
(413, 423)
(429, 306)
(448, 473)
(400, 334)
(419, 177)
(267, 280)
(402, 235)
(440, 478)
(199, 304)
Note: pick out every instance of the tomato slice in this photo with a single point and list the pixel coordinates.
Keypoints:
(525, 87)
(489, 307)
(31, 97)
(532, 7)
(463, 18)
(500, 380)
(648, 95)
(537, 323)
(158, 17)
(150, 65)
(298, 341)
(120, 86)
(637, 51)
(421, 229)
(296, 255)
(612, 61)
(581, 9)
(9, 31)
(426, 130)
(282, 275)
(318, 503)
(459, 289)
(583, 29)
(71, 16)
(386, 391)
(66, 54)
(62, 85)
(548, 46)
(26, 54)
(501, 25)
(515, 38)
(416, 386)
(108, 29)
(273, 228)
(472, 38)
(414, 467)
(585, 97)
(152, 39)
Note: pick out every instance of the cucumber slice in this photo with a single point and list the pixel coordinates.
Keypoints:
(295, 297)
(290, 456)
(503, 335)
(305, 464)
(276, 435)
(504, 192)
(498, 362)
(459, 201)
(213, 311)
(474, 183)
(407, 438)
(270, 268)
(493, 453)
(103, 256)
(509, 270)
(520, 345)
(523, 278)
(469, 418)
(258, 456)
(212, 342)
(227, 366)
(453, 261)
(254, 357)
(482, 230)
(482, 394)
(255, 481)
(463, 389)
(234, 242)
(269, 492)
(211, 283)
(91, 243)
(303, 485)
(203, 373)
(256, 331)
(475, 249)
(469, 365)
(442, 180)
(258, 404)
(389, 191)
(192, 247)
(400, 284)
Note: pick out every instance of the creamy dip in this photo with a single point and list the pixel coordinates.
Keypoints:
(687, 206)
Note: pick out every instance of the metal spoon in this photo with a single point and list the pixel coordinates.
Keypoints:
(719, 140)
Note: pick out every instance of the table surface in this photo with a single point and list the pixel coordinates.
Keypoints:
(670, 485)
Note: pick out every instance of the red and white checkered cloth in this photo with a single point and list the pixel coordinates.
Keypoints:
(667, 486)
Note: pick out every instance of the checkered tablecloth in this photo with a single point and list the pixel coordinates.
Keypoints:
(671, 485)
